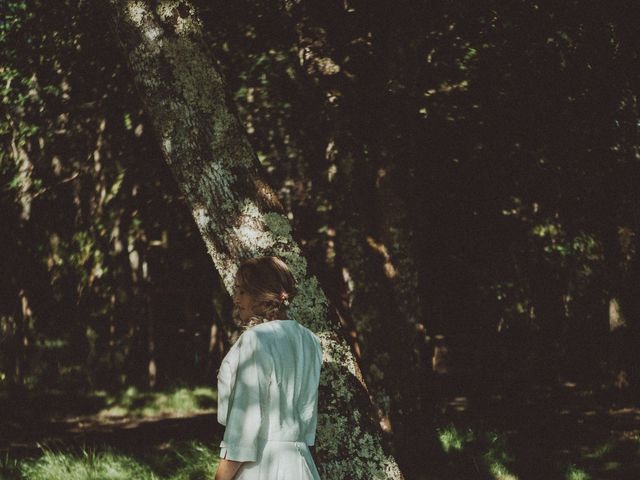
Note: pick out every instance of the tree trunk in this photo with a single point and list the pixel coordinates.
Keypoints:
(375, 239)
(238, 214)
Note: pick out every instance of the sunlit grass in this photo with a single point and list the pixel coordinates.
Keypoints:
(89, 465)
(196, 461)
(484, 453)
(179, 402)
(608, 456)
(600, 451)
(574, 473)
(482, 449)
(186, 461)
(453, 440)
(497, 456)
(500, 472)
(183, 461)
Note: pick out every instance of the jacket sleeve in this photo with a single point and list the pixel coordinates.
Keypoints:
(241, 412)
(226, 379)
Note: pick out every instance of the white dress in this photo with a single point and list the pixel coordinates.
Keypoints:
(268, 401)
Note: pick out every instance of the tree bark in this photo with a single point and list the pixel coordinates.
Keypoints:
(238, 214)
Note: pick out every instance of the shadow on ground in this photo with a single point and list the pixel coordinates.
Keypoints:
(562, 431)
(131, 422)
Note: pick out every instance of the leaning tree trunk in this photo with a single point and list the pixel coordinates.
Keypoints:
(237, 213)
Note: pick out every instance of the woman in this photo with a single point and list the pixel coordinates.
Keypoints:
(268, 382)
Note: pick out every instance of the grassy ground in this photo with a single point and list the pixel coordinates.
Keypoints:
(561, 432)
(181, 401)
(490, 455)
(184, 461)
(135, 435)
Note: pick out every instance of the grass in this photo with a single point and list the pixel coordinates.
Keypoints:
(600, 451)
(477, 453)
(179, 402)
(487, 454)
(453, 440)
(131, 402)
(186, 461)
(9, 468)
(89, 465)
(574, 473)
(474, 450)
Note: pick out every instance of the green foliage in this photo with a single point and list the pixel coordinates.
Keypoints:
(92, 226)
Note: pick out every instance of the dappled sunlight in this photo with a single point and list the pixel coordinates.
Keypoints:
(179, 402)
(477, 453)
(570, 429)
(131, 418)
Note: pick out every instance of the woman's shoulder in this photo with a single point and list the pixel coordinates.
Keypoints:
(255, 336)
(266, 327)
(264, 332)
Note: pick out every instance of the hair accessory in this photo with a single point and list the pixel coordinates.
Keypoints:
(284, 298)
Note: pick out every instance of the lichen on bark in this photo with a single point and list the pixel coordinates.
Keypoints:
(238, 215)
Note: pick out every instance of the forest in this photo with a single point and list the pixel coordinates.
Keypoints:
(456, 186)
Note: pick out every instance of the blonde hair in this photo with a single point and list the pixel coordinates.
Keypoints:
(271, 285)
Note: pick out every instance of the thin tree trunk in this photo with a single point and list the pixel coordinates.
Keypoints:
(152, 366)
(22, 337)
(238, 214)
